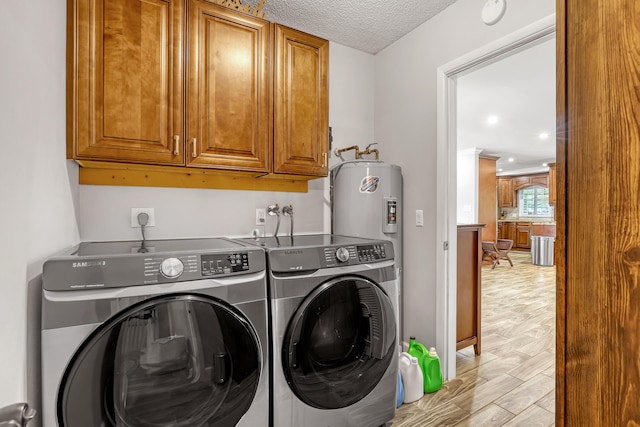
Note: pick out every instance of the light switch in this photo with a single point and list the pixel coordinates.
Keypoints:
(419, 218)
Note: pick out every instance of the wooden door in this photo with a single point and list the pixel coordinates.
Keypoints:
(598, 249)
(229, 119)
(125, 100)
(301, 111)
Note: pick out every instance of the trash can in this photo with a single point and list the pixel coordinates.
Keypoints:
(542, 250)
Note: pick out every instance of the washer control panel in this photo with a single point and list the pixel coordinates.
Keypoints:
(69, 273)
(371, 252)
(224, 263)
(355, 254)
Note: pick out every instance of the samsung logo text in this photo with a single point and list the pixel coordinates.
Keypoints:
(85, 264)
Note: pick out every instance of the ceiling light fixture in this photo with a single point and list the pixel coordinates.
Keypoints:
(492, 120)
(545, 165)
(511, 159)
(544, 135)
(499, 170)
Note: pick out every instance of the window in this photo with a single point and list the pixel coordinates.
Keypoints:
(534, 201)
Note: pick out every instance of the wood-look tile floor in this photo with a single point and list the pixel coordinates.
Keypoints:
(512, 383)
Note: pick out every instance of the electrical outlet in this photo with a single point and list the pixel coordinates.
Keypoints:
(148, 211)
(419, 218)
(261, 216)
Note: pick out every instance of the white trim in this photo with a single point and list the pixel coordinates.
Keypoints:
(446, 227)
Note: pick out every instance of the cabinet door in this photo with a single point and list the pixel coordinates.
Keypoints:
(228, 89)
(511, 232)
(542, 180)
(124, 100)
(523, 237)
(301, 112)
(505, 193)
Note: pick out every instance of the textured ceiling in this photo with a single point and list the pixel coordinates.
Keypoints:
(366, 25)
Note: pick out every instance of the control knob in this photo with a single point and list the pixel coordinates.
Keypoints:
(342, 254)
(171, 268)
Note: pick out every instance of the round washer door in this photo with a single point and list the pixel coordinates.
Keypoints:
(339, 342)
(174, 360)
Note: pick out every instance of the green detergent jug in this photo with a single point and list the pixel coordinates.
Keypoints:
(429, 363)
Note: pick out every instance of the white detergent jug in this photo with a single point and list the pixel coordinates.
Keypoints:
(412, 378)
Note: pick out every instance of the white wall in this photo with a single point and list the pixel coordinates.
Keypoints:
(105, 210)
(405, 127)
(37, 214)
(468, 185)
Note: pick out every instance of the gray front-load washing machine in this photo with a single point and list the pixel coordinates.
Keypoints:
(333, 330)
(156, 333)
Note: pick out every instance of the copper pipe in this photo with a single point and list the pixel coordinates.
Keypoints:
(339, 151)
(369, 150)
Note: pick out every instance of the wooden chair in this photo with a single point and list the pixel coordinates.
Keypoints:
(494, 252)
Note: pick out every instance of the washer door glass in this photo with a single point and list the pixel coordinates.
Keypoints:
(179, 360)
(339, 343)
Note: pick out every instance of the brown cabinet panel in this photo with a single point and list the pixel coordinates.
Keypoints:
(506, 196)
(507, 230)
(301, 122)
(469, 287)
(523, 236)
(124, 81)
(527, 180)
(228, 89)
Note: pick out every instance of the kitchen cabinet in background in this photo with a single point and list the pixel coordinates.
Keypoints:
(507, 230)
(469, 286)
(528, 180)
(184, 94)
(523, 235)
(506, 195)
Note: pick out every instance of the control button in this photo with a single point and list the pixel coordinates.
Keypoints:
(171, 268)
(342, 254)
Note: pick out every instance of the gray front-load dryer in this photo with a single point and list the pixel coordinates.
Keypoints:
(333, 330)
(156, 333)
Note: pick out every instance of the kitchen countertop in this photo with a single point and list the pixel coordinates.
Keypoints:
(536, 221)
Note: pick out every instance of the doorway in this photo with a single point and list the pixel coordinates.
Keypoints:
(532, 35)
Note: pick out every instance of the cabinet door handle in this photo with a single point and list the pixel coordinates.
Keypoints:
(324, 160)
(194, 153)
(176, 145)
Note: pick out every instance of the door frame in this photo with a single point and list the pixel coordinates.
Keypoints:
(446, 222)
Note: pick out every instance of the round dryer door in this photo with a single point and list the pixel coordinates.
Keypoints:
(179, 360)
(339, 342)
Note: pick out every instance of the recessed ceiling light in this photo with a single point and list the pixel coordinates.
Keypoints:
(545, 165)
(492, 120)
(499, 170)
(544, 135)
(511, 159)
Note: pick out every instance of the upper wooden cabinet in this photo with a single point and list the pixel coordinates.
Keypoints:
(191, 83)
(528, 180)
(124, 90)
(228, 123)
(506, 196)
(301, 120)
(552, 183)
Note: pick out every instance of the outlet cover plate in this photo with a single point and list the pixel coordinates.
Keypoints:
(261, 216)
(149, 211)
